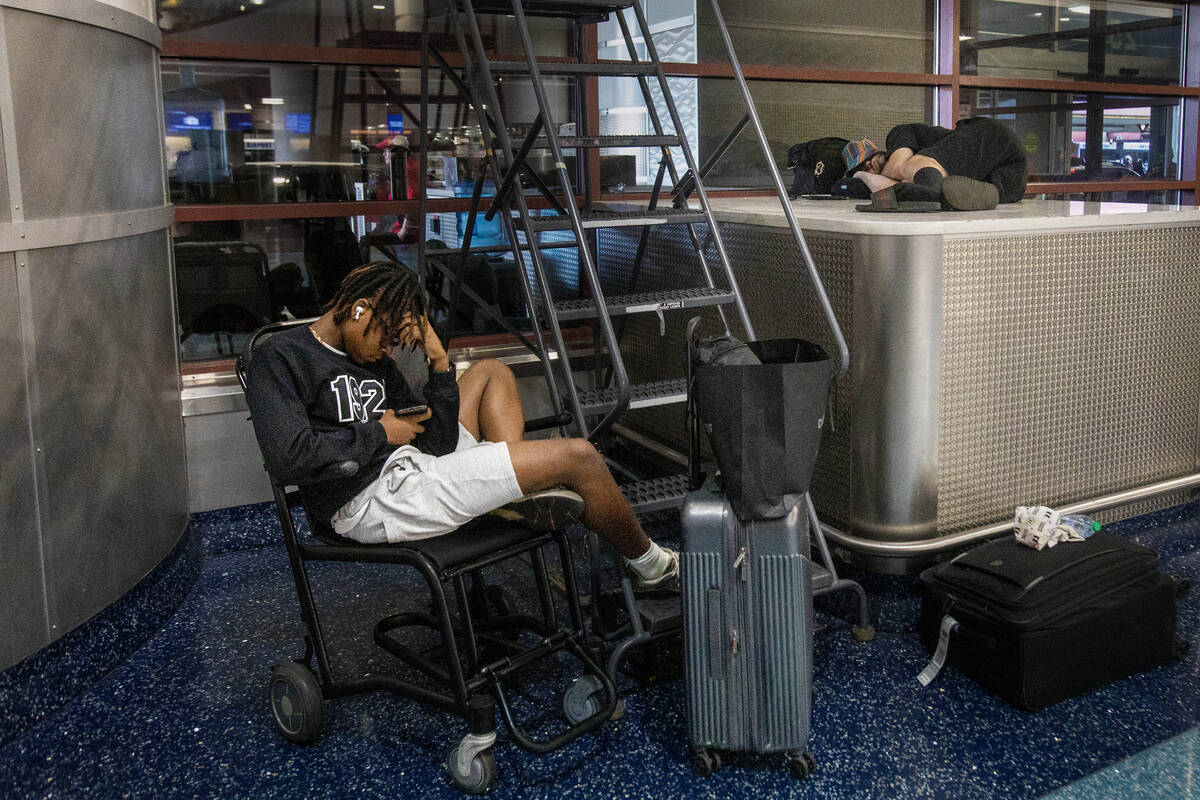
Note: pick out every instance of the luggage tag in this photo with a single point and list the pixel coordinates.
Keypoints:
(949, 624)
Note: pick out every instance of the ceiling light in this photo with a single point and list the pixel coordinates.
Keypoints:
(965, 38)
(248, 107)
(1079, 9)
(256, 2)
(272, 101)
(1064, 19)
(379, 7)
(1036, 14)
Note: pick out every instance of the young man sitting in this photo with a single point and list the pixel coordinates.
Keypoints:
(328, 393)
(972, 168)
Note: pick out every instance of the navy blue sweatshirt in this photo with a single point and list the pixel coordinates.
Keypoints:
(313, 407)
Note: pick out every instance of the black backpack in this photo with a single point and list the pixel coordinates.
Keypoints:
(818, 164)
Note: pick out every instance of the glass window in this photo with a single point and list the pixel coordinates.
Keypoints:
(1077, 136)
(288, 133)
(234, 276)
(382, 24)
(672, 24)
(1072, 39)
(897, 37)
(797, 112)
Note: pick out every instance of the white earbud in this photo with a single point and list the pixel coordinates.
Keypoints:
(358, 311)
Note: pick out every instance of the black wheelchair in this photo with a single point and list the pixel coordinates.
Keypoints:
(478, 649)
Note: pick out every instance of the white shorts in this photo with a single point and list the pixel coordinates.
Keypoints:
(417, 495)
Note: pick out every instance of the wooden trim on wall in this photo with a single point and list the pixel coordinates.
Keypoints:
(591, 107)
(1098, 87)
(211, 51)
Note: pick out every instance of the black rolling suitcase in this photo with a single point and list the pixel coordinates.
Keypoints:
(747, 636)
(1039, 626)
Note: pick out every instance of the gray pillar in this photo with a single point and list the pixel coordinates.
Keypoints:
(91, 438)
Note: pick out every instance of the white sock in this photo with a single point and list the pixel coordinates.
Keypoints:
(650, 564)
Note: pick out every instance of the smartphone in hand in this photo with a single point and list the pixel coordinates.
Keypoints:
(404, 412)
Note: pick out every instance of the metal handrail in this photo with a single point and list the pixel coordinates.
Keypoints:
(781, 191)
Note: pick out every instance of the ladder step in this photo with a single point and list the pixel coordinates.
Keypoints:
(642, 395)
(616, 68)
(643, 303)
(571, 142)
(617, 219)
(656, 494)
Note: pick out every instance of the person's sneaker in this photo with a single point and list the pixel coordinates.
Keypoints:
(666, 583)
(547, 510)
(966, 194)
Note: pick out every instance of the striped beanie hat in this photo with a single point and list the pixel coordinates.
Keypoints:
(856, 153)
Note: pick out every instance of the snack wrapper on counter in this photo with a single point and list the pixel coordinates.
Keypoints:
(1039, 527)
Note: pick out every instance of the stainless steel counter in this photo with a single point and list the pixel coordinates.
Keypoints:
(1044, 352)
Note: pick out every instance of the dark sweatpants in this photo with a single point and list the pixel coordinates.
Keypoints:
(978, 148)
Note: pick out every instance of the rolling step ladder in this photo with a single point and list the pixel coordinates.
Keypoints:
(589, 400)
(592, 399)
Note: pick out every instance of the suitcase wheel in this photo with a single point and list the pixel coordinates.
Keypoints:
(706, 762)
(800, 764)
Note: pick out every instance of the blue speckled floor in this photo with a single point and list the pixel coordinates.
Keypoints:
(185, 715)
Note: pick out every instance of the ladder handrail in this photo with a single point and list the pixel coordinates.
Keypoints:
(701, 195)
(587, 262)
(814, 276)
(510, 229)
(669, 161)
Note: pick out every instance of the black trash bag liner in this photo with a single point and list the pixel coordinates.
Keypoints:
(764, 420)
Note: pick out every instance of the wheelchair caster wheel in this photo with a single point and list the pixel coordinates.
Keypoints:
(706, 762)
(584, 697)
(801, 765)
(863, 633)
(296, 702)
(479, 774)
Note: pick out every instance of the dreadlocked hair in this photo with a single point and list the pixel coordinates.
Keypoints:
(394, 291)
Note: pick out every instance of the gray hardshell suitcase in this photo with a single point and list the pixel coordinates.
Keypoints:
(748, 643)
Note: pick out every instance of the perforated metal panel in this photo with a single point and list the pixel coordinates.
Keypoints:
(1069, 368)
(774, 284)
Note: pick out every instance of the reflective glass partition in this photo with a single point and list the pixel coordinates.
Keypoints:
(294, 133)
(893, 36)
(796, 112)
(1126, 42)
(273, 103)
(1076, 136)
(234, 276)
(365, 24)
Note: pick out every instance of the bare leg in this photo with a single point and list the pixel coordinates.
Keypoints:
(874, 182)
(489, 405)
(917, 163)
(540, 464)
